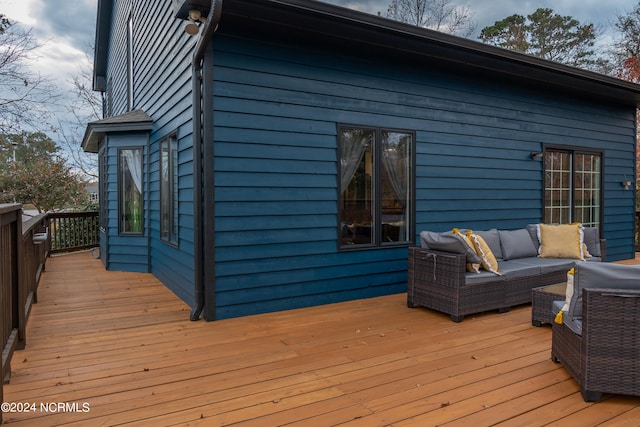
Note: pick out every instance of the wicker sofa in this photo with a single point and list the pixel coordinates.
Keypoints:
(597, 341)
(437, 279)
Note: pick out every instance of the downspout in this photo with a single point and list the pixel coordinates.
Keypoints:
(210, 26)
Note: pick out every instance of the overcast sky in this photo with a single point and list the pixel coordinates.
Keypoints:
(68, 26)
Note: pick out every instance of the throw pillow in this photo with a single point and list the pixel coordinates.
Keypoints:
(569, 295)
(492, 238)
(489, 261)
(472, 267)
(517, 244)
(561, 241)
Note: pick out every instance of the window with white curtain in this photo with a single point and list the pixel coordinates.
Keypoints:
(130, 190)
(376, 186)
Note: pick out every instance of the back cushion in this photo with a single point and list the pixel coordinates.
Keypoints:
(592, 240)
(448, 242)
(517, 244)
(601, 275)
(492, 239)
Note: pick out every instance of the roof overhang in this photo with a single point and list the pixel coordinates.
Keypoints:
(100, 54)
(133, 121)
(182, 7)
(365, 32)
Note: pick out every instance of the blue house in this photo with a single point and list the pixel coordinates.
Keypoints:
(263, 155)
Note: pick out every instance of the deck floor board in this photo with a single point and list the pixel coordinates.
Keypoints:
(123, 344)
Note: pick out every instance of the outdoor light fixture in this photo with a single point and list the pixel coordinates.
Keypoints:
(536, 155)
(626, 184)
(193, 27)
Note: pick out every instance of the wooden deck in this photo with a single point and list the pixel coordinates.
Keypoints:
(118, 348)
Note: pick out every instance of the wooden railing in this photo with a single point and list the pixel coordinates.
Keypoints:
(12, 319)
(73, 231)
(24, 249)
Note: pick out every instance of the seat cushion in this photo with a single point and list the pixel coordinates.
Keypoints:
(514, 269)
(549, 265)
(483, 276)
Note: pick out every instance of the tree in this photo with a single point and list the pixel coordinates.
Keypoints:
(439, 15)
(547, 35)
(627, 67)
(36, 174)
(25, 97)
(627, 47)
(85, 107)
(24, 145)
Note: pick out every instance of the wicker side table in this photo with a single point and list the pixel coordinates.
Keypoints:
(542, 299)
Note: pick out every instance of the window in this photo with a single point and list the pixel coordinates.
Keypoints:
(169, 189)
(572, 192)
(130, 194)
(376, 186)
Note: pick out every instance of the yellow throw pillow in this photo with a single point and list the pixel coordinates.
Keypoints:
(489, 261)
(472, 267)
(561, 241)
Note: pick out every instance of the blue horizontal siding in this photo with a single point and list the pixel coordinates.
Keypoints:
(277, 107)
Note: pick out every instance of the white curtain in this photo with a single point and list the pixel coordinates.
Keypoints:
(134, 163)
(352, 147)
(396, 162)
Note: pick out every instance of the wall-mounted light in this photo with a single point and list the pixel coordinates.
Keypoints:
(193, 26)
(626, 184)
(536, 155)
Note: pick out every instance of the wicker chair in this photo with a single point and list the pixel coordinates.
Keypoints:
(606, 357)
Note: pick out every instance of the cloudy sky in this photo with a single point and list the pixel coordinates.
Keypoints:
(486, 12)
(67, 27)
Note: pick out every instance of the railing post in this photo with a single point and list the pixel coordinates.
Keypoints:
(11, 282)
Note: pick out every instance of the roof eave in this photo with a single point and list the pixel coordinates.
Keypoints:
(134, 121)
(100, 55)
(327, 20)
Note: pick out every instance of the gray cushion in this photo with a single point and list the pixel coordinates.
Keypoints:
(549, 265)
(575, 325)
(492, 238)
(592, 240)
(601, 275)
(448, 242)
(517, 244)
(518, 269)
(482, 277)
(533, 233)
